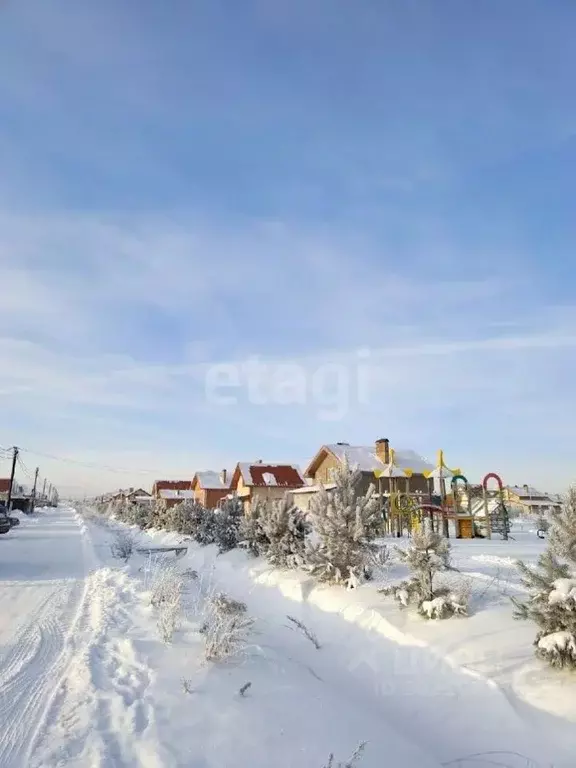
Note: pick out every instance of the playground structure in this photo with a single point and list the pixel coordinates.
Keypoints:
(463, 511)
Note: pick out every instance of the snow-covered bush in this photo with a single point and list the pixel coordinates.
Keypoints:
(158, 512)
(552, 586)
(185, 518)
(344, 523)
(225, 627)
(227, 520)
(427, 555)
(123, 545)
(137, 514)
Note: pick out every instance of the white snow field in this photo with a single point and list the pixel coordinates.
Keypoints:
(85, 679)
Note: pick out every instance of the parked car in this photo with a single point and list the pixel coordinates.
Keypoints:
(5, 523)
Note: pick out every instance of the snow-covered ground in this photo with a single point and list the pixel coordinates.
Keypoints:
(86, 681)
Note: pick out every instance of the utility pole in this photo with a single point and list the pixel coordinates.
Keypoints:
(12, 473)
(33, 497)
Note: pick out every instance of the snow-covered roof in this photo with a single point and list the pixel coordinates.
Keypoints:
(365, 458)
(313, 488)
(543, 501)
(210, 480)
(259, 474)
(529, 492)
(175, 493)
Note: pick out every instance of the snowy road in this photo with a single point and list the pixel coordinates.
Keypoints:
(43, 568)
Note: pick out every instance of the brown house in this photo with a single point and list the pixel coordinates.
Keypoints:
(172, 492)
(132, 494)
(261, 481)
(211, 487)
(369, 459)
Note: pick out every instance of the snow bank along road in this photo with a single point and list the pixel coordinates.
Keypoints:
(85, 681)
(44, 565)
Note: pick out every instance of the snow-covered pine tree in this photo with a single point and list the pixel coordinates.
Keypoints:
(552, 585)
(344, 523)
(285, 529)
(186, 517)
(251, 535)
(227, 521)
(427, 555)
(206, 527)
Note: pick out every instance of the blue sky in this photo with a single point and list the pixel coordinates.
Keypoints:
(191, 184)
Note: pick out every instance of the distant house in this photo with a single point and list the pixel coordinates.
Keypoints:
(131, 494)
(4, 487)
(17, 489)
(172, 492)
(369, 459)
(524, 499)
(173, 485)
(211, 487)
(259, 481)
(20, 495)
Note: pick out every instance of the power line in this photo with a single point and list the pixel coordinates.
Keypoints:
(91, 465)
(24, 468)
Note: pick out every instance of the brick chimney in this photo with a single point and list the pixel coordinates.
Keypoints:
(383, 450)
(223, 477)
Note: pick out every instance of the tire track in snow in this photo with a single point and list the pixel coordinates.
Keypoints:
(101, 714)
(28, 672)
(35, 659)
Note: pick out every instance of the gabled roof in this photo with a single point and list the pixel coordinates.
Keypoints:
(211, 481)
(267, 475)
(138, 492)
(365, 459)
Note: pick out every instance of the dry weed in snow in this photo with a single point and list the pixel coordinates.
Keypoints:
(244, 688)
(165, 583)
(187, 686)
(169, 615)
(122, 547)
(305, 631)
(351, 762)
(225, 627)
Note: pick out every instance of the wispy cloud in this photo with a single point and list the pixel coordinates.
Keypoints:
(431, 365)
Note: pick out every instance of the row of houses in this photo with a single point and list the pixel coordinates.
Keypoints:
(251, 481)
